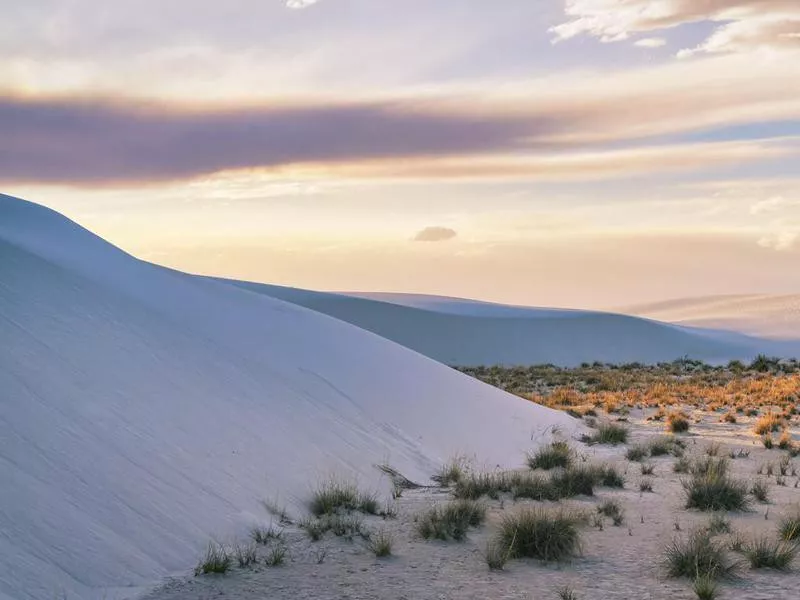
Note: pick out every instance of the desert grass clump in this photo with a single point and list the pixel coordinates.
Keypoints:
(380, 544)
(711, 488)
(637, 453)
(677, 422)
(682, 465)
(760, 490)
(548, 535)
(476, 485)
(718, 524)
(534, 487)
(264, 535)
(767, 553)
(767, 441)
(704, 587)
(276, 556)
(666, 444)
(555, 454)
(613, 510)
(496, 556)
(334, 496)
(451, 472)
(608, 433)
(217, 559)
(567, 593)
(768, 423)
(697, 555)
(577, 481)
(645, 485)
(648, 468)
(245, 555)
(789, 527)
(451, 521)
(608, 476)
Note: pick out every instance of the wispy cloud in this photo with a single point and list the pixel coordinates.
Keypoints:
(298, 4)
(650, 42)
(435, 234)
(744, 24)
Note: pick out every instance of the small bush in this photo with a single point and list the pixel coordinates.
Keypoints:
(790, 527)
(760, 490)
(451, 521)
(613, 510)
(767, 441)
(217, 559)
(556, 454)
(697, 555)
(765, 552)
(381, 544)
(677, 422)
(496, 557)
(648, 468)
(334, 496)
(540, 533)
(645, 485)
(567, 593)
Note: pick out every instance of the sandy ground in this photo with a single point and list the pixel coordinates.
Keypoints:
(616, 563)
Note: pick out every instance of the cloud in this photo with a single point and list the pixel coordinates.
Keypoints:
(650, 42)
(746, 24)
(781, 241)
(435, 234)
(775, 204)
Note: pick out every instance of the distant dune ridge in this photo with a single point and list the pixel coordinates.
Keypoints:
(469, 332)
(770, 316)
(145, 410)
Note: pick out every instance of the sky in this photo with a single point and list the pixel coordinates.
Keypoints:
(580, 153)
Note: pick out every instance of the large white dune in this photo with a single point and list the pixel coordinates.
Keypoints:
(467, 332)
(145, 410)
(763, 315)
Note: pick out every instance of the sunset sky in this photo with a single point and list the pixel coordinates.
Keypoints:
(587, 153)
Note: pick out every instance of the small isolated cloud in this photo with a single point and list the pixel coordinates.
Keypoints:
(435, 234)
(778, 203)
(650, 43)
(297, 4)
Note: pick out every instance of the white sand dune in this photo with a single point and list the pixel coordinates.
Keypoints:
(769, 316)
(145, 410)
(469, 332)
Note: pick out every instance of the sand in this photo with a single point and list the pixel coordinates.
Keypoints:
(616, 563)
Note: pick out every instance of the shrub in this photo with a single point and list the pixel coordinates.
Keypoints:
(613, 510)
(760, 490)
(765, 552)
(452, 520)
(334, 496)
(556, 454)
(710, 488)
(548, 535)
(790, 527)
(217, 559)
(697, 555)
(677, 422)
(381, 544)
(768, 423)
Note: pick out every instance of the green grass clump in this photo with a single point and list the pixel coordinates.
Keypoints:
(790, 527)
(548, 535)
(245, 555)
(451, 521)
(760, 490)
(264, 535)
(768, 553)
(677, 422)
(577, 481)
(551, 456)
(697, 555)
(613, 510)
(217, 559)
(341, 525)
(276, 556)
(637, 453)
(711, 488)
(381, 544)
(608, 476)
(608, 433)
(567, 593)
(705, 587)
(451, 472)
(718, 524)
(334, 496)
(496, 556)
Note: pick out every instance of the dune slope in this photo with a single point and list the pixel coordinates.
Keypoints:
(145, 410)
